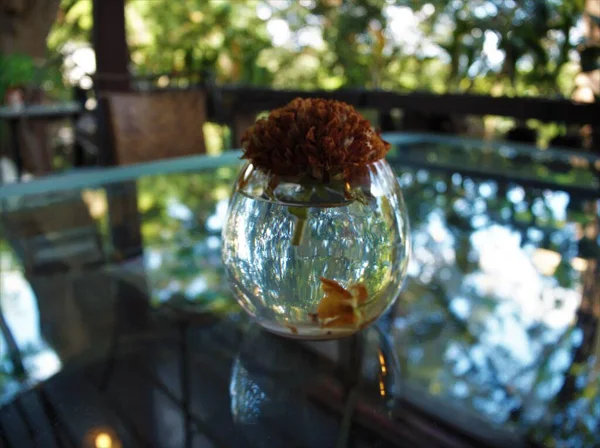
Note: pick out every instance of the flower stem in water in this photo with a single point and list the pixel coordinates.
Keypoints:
(301, 214)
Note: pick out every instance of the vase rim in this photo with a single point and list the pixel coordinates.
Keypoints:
(292, 191)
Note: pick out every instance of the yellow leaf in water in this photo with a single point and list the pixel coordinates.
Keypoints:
(340, 306)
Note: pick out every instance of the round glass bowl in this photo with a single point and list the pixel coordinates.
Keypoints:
(316, 260)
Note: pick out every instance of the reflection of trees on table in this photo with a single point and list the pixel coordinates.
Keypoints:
(495, 285)
(576, 408)
(487, 315)
(182, 216)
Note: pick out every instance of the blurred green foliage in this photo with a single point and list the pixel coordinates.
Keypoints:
(16, 70)
(481, 46)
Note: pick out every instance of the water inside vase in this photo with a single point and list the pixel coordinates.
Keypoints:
(277, 274)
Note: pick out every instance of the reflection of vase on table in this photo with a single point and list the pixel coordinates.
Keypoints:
(316, 238)
(313, 393)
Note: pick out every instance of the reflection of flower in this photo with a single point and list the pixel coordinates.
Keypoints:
(313, 138)
(340, 306)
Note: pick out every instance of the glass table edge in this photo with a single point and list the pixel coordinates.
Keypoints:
(406, 138)
(100, 177)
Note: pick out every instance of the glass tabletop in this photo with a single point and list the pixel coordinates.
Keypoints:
(118, 327)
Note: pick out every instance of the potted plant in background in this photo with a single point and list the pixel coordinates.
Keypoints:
(17, 71)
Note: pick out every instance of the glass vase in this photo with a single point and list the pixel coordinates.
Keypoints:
(316, 260)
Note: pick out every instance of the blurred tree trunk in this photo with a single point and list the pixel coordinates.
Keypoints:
(25, 24)
(592, 30)
(588, 83)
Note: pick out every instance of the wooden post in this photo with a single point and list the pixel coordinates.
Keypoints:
(110, 45)
(112, 58)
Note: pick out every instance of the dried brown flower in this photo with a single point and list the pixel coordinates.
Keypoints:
(315, 138)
